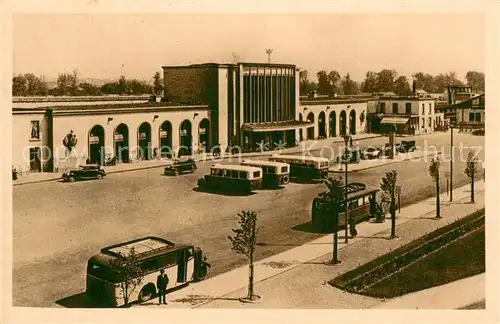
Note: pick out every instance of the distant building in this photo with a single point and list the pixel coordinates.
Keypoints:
(456, 94)
(470, 114)
(409, 115)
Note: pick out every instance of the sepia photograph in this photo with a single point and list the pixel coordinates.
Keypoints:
(248, 160)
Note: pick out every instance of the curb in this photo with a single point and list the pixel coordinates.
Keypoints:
(296, 265)
(197, 160)
(381, 165)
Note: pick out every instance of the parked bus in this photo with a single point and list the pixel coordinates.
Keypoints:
(274, 174)
(304, 167)
(361, 205)
(239, 178)
(182, 264)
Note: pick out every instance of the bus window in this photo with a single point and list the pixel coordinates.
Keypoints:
(167, 260)
(103, 272)
(256, 174)
(149, 265)
(353, 204)
(243, 175)
(284, 169)
(361, 201)
(190, 252)
(271, 170)
(233, 174)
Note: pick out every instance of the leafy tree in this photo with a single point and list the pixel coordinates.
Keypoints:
(388, 187)
(304, 82)
(434, 173)
(370, 83)
(475, 80)
(35, 86)
(67, 84)
(424, 81)
(157, 83)
(471, 170)
(129, 273)
(385, 80)
(401, 86)
(333, 79)
(441, 81)
(19, 85)
(88, 89)
(349, 86)
(243, 242)
(324, 86)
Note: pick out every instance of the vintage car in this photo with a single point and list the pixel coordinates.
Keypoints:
(478, 132)
(407, 146)
(371, 153)
(353, 156)
(180, 165)
(84, 172)
(387, 149)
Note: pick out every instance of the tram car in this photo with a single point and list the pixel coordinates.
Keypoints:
(361, 205)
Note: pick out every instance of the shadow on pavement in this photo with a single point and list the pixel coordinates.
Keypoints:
(79, 300)
(195, 300)
(224, 193)
(308, 228)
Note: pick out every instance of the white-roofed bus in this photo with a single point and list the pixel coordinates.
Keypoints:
(274, 174)
(182, 263)
(304, 167)
(231, 177)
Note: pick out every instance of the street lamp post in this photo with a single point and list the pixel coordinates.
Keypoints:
(346, 162)
(451, 163)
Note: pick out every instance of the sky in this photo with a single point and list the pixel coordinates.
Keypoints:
(106, 46)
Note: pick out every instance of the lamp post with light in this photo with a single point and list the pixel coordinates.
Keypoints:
(346, 162)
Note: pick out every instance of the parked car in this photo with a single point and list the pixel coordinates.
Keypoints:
(14, 173)
(479, 132)
(353, 156)
(387, 149)
(407, 146)
(84, 172)
(181, 165)
(371, 153)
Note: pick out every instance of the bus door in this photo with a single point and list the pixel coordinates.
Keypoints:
(190, 263)
(181, 266)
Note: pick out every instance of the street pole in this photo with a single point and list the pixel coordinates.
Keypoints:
(451, 163)
(346, 139)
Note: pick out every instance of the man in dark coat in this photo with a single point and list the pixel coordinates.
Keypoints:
(161, 284)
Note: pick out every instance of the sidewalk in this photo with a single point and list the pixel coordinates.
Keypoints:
(142, 165)
(375, 163)
(297, 278)
(464, 291)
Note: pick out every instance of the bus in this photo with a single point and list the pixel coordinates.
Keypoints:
(361, 205)
(182, 264)
(304, 167)
(274, 174)
(240, 178)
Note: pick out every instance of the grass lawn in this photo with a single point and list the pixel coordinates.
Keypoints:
(463, 258)
(459, 259)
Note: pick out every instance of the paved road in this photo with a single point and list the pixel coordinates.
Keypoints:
(58, 226)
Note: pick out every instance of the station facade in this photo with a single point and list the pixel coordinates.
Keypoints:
(250, 106)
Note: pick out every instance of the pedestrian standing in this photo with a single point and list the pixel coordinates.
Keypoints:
(161, 284)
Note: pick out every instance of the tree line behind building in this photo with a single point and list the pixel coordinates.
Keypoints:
(328, 82)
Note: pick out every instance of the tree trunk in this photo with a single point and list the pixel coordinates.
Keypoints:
(393, 220)
(250, 282)
(472, 189)
(438, 209)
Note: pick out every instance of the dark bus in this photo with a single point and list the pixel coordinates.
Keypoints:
(275, 174)
(238, 178)
(182, 263)
(304, 167)
(361, 205)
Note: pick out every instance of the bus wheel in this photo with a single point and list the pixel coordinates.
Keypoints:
(147, 292)
(286, 180)
(325, 174)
